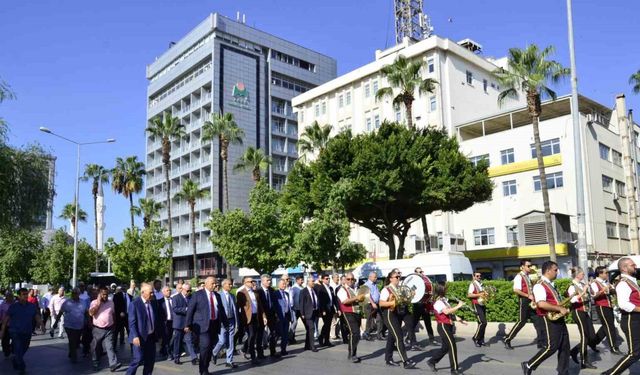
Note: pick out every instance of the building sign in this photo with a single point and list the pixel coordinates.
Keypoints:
(240, 96)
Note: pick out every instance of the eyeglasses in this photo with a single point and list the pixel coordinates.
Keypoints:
(394, 277)
(348, 279)
(325, 278)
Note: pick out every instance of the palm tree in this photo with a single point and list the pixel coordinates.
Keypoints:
(127, 179)
(97, 174)
(315, 138)
(69, 213)
(167, 129)
(529, 72)
(404, 76)
(190, 193)
(149, 209)
(635, 81)
(254, 160)
(224, 127)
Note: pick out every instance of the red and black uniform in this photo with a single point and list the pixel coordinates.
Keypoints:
(579, 308)
(523, 283)
(392, 321)
(351, 319)
(445, 330)
(605, 314)
(421, 310)
(481, 312)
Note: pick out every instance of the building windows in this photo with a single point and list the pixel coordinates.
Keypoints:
(604, 151)
(512, 235)
(431, 66)
(611, 230)
(620, 189)
(509, 188)
(376, 121)
(288, 83)
(476, 159)
(283, 57)
(549, 147)
(367, 93)
(554, 180)
(485, 85)
(469, 78)
(398, 114)
(484, 236)
(432, 104)
(324, 108)
(607, 183)
(340, 101)
(616, 158)
(374, 87)
(507, 156)
(368, 123)
(347, 98)
(317, 110)
(624, 231)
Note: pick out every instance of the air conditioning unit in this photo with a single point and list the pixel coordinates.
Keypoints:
(615, 196)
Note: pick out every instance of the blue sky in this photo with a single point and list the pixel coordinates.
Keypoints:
(78, 67)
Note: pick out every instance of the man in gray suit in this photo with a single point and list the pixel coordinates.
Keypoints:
(226, 333)
(295, 298)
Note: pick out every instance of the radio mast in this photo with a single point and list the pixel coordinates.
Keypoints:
(411, 21)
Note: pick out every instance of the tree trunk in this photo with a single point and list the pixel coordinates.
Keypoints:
(407, 105)
(532, 101)
(131, 209)
(425, 233)
(391, 243)
(170, 254)
(193, 238)
(146, 221)
(95, 223)
(256, 174)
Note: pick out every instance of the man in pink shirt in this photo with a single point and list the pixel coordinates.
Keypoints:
(103, 313)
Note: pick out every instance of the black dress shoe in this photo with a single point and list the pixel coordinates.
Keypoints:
(315, 350)
(507, 345)
(329, 345)
(177, 362)
(355, 359)
(456, 372)
(275, 355)
(432, 366)
(616, 351)
(115, 367)
(588, 365)
(526, 370)
(409, 364)
(284, 352)
(416, 348)
(574, 356)
(594, 348)
(231, 365)
(392, 363)
(478, 345)
(195, 361)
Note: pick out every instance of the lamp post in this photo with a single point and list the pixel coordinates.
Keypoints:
(76, 197)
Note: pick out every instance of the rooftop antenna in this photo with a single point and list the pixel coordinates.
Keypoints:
(411, 21)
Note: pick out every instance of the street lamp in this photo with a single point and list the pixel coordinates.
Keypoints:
(77, 183)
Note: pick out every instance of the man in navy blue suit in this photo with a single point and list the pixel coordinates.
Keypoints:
(284, 315)
(205, 316)
(309, 308)
(179, 317)
(145, 323)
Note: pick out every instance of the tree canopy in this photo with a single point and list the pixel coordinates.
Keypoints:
(18, 248)
(54, 265)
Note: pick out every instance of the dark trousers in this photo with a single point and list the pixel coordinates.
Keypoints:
(421, 312)
(325, 331)
(344, 332)
(527, 313)
(557, 338)
(408, 328)
(352, 322)
(46, 314)
(630, 324)
(103, 337)
(19, 345)
(167, 335)
(252, 332)
(294, 325)
(587, 333)
(121, 326)
(74, 342)
(608, 327)
(208, 340)
(448, 346)
(87, 338)
(284, 331)
(144, 355)
(180, 336)
(6, 343)
(373, 324)
(392, 322)
(481, 314)
(310, 326)
(260, 337)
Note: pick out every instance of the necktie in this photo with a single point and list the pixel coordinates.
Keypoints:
(149, 317)
(228, 305)
(168, 308)
(313, 297)
(266, 293)
(213, 308)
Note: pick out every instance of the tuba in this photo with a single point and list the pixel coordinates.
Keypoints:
(402, 295)
(488, 293)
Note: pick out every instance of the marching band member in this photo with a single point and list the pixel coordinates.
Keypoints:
(523, 288)
(475, 291)
(348, 302)
(422, 310)
(556, 334)
(444, 314)
(579, 305)
(601, 291)
(392, 320)
(629, 302)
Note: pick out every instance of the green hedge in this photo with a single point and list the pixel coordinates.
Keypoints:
(502, 308)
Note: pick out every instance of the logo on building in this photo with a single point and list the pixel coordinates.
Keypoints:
(240, 96)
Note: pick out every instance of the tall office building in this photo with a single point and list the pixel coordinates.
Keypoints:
(224, 66)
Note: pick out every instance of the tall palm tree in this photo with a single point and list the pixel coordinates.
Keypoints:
(529, 72)
(223, 127)
(69, 213)
(190, 193)
(315, 138)
(635, 81)
(404, 76)
(167, 129)
(149, 209)
(97, 174)
(127, 179)
(254, 160)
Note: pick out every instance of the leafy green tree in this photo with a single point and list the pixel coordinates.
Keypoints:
(634, 80)
(261, 239)
(255, 161)
(140, 256)
(5, 93)
(223, 127)
(389, 179)
(69, 213)
(314, 139)
(127, 179)
(17, 250)
(54, 265)
(190, 193)
(404, 77)
(167, 129)
(149, 209)
(529, 72)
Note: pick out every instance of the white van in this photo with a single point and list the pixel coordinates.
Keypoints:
(440, 266)
(613, 267)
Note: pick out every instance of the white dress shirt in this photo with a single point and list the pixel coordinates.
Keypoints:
(539, 293)
(623, 290)
(473, 285)
(211, 295)
(254, 302)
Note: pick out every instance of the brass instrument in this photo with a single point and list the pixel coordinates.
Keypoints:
(566, 303)
(534, 277)
(365, 293)
(487, 294)
(402, 295)
(463, 307)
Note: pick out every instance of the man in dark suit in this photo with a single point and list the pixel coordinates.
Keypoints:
(180, 302)
(226, 333)
(145, 321)
(166, 304)
(284, 315)
(121, 302)
(309, 308)
(267, 303)
(249, 315)
(328, 308)
(205, 317)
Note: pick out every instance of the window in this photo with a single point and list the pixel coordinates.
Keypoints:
(507, 156)
(550, 147)
(324, 108)
(611, 229)
(432, 104)
(283, 57)
(368, 124)
(317, 110)
(620, 189)
(347, 98)
(554, 180)
(484, 236)
(469, 78)
(616, 158)
(512, 234)
(485, 85)
(624, 231)
(375, 87)
(607, 183)
(376, 121)
(366, 91)
(604, 152)
(476, 159)
(509, 188)
(431, 67)
(340, 101)
(398, 114)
